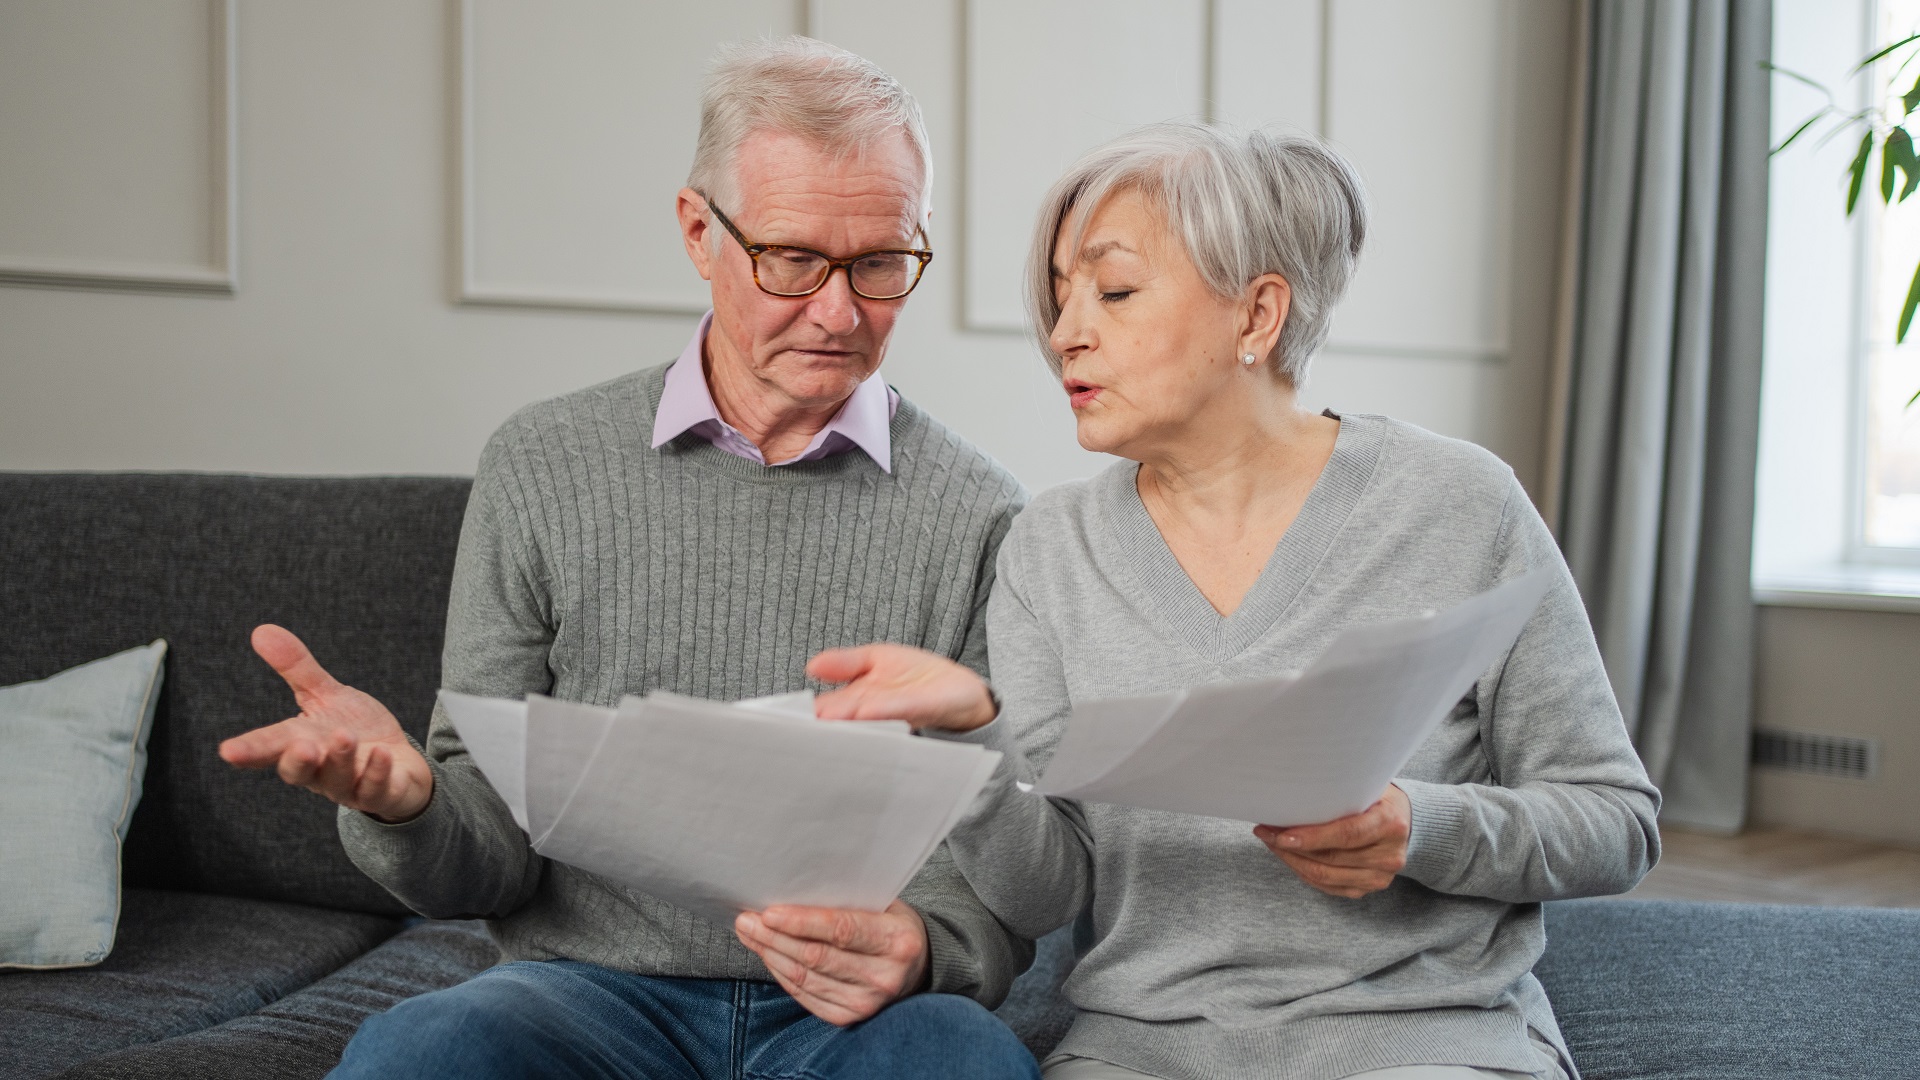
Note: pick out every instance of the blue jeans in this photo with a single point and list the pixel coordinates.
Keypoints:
(565, 1019)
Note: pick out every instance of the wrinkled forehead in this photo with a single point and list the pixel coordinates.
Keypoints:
(793, 176)
(1120, 223)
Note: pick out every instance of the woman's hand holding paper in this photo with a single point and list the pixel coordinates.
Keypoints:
(844, 966)
(899, 682)
(1350, 856)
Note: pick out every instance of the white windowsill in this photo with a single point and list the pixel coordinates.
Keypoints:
(1851, 586)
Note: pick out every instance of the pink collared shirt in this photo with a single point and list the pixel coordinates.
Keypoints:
(686, 404)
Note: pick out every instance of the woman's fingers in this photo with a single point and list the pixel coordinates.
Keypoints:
(1346, 881)
(1381, 855)
(841, 665)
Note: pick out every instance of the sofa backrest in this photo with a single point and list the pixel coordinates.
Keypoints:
(93, 563)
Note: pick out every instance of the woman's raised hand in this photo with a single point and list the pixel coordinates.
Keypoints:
(1351, 856)
(344, 744)
(900, 682)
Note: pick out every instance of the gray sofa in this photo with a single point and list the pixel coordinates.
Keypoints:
(249, 946)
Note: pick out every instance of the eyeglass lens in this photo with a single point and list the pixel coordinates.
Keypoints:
(879, 276)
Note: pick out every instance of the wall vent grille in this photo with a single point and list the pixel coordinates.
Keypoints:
(1825, 755)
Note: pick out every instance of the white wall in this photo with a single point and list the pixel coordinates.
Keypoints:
(397, 289)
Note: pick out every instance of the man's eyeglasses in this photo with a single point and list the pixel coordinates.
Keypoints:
(785, 270)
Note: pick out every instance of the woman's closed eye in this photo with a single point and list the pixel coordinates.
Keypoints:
(1114, 296)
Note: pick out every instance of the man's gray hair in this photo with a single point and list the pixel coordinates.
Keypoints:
(1242, 205)
(841, 101)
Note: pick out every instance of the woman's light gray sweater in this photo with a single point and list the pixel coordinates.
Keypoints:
(592, 565)
(1208, 957)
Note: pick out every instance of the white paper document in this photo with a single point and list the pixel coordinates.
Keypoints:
(722, 808)
(1298, 749)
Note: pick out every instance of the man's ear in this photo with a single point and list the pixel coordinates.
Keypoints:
(696, 231)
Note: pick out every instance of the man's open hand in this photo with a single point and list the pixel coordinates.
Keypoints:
(344, 744)
(1350, 856)
(843, 966)
(900, 682)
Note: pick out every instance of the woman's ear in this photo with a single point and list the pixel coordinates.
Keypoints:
(1268, 299)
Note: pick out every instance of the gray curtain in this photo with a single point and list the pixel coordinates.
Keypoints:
(1656, 508)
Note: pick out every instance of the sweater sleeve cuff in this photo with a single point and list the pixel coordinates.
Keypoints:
(980, 736)
(950, 968)
(1437, 843)
(382, 849)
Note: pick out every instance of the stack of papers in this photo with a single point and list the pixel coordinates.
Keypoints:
(1293, 750)
(722, 808)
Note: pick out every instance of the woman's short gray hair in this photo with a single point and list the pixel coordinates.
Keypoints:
(841, 101)
(1242, 204)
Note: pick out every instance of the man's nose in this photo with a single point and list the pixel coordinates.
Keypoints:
(834, 308)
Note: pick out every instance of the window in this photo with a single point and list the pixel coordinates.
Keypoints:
(1889, 479)
(1837, 517)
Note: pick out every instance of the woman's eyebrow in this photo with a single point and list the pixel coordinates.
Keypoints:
(1092, 253)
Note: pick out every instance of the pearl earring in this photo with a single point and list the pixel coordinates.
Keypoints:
(1248, 359)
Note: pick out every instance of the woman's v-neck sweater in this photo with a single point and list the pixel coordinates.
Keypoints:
(1205, 955)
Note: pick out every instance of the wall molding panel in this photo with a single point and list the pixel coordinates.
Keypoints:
(574, 128)
(116, 201)
(1028, 115)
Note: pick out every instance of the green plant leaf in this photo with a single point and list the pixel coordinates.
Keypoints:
(1900, 146)
(1908, 40)
(1892, 160)
(1797, 77)
(1801, 130)
(1906, 309)
(1859, 171)
(1911, 99)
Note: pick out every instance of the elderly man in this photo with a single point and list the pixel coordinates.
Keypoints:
(702, 527)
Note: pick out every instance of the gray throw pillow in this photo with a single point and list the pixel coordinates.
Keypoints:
(73, 751)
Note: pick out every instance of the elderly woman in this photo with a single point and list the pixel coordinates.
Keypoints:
(1182, 278)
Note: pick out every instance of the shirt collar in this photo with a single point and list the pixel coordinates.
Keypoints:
(686, 404)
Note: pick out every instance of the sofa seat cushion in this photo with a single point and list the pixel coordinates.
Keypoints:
(304, 1033)
(181, 962)
(1034, 1008)
(1665, 990)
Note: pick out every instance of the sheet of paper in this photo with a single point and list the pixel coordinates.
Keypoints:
(721, 808)
(562, 737)
(718, 809)
(1293, 750)
(495, 733)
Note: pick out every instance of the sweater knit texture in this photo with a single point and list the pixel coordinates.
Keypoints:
(592, 566)
(1205, 956)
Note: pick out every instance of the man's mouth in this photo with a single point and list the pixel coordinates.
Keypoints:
(1079, 393)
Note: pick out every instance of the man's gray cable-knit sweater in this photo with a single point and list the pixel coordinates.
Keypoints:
(1209, 958)
(592, 566)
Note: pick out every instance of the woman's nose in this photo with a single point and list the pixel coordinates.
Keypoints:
(1069, 331)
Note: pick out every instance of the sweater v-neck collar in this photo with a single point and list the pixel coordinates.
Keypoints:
(1139, 553)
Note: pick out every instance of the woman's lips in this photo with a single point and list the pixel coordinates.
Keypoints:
(1081, 394)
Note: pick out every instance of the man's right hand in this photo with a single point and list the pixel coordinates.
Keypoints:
(344, 744)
